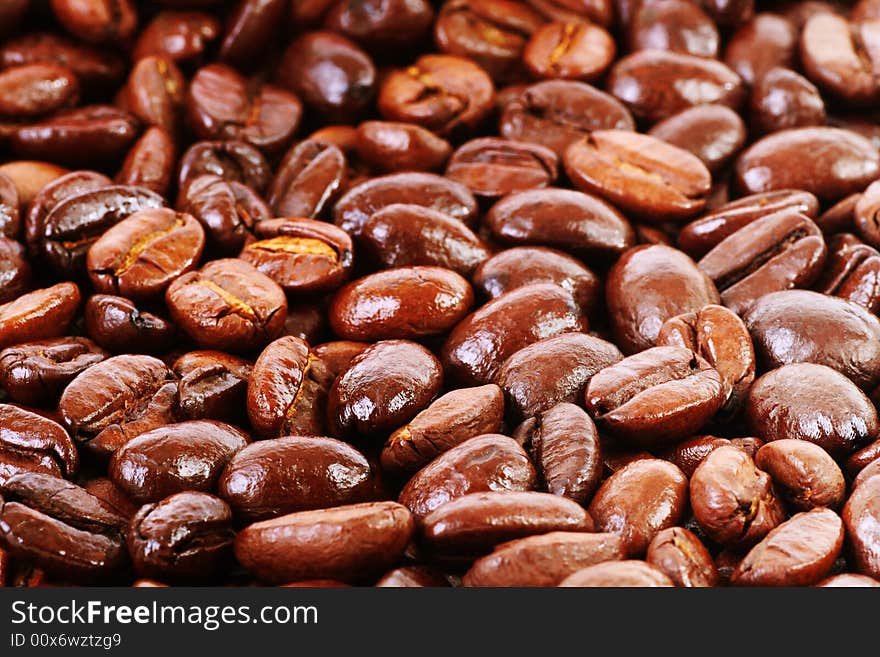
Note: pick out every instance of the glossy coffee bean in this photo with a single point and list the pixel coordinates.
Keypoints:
(849, 580)
(865, 215)
(37, 315)
(492, 168)
(490, 462)
(412, 577)
(448, 421)
(673, 25)
(649, 285)
(639, 174)
(799, 326)
(35, 373)
(15, 271)
(811, 402)
(150, 162)
(688, 454)
(185, 538)
(766, 41)
(569, 50)
(555, 113)
(181, 36)
(626, 574)
(480, 343)
(784, 99)
(714, 133)
(338, 354)
(234, 161)
(117, 399)
(804, 474)
(733, 501)
(116, 324)
(860, 516)
(543, 560)
(61, 528)
(155, 92)
(382, 25)
(10, 210)
(212, 386)
(348, 543)
(682, 557)
(309, 178)
(30, 442)
(383, 388)
(390, 146)
(29, 176)
(227, 305)
(33, 90)
(104, 21)
(799, 552)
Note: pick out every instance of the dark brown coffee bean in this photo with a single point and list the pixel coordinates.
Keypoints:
(250, 27)
(348, 543)
(388, 146)
(185, 538)
(117, 325)
(32, 90)
(227, 305)
(626, 574)
(555, 113)
(543, 560)
(649, 285)
(862, 459)
(721, 338)
(569, 50)
(38, 315)
(308, 180)
(596, 11)
(181, 36)
(639, 174)
(688, 454)
(380, 25)
(10, 210)
(714, 133)
(443, 93)
(776, 252)
(405, 303)
(480, 343)
(490, 462)
(866, 215)
(401, 235)
(492, 167)
(553, 370)
(15, 271)
(212, 386)
(784, 99)
(840, 217)
(383, 388)
(814, 403)
(337, 355)
(111, 495)
(150, 162)
(655, 397)
(702, 235)
(847, 164)
(155, 92)
(188, 456)
(732, 500)
(117, 399)
(561, 218)
(475, 523)
(450, 420)
(799, 326)
(101, 21)
(674, 25)
(233, 161)
(35, 373)
(799, 552)
(425, 189)
(685, 560)
(30, 442)
(766, 41)
(655, 84)
(861, 515)
(803, 473)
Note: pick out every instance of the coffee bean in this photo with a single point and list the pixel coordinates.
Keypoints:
(212, 386)
(713, 133)
(117, 325)
(30, 442)
(150, 162)
(860, 516)
(569, 50)
(38, 315)
(233, 161)
(682, 557)
(308, 179)
(766, 41)
(390, 146)
(803, 473)
(619, 574)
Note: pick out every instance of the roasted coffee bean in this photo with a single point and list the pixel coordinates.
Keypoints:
(639, 174)
(776, 252)
(571, 50)
(702, 235)
(302, 255)
(15, 271)
(38, 315)
(250, 26)
(674, 25)
(348, 543)
(784, 99)
(104, 21)
(143, 254)
(150, 162)
(270, 478)
(233, 161)
(186, 538)
(33, 90)
(389, 146)
(811, 402)
(848, 580)
(799, 326)
(75, 224)
(799, 552)
(117, 399)
(832, 163)
(477, 522)
(10, 211)
(155, 92)
(492, 167)
(803, 473)
(840, 216)
(61, 528)
(117, 325)
(714, 133)
(556, 113)
(649, 285)
(490, 462)
(543, 560)
(405, 303)
(553, 370)
(866, 215)
(30, 442)
(380, 25)
(227, 305)
(561, 218)
(308, 179)
(481, 342)
(860, 516)
(400, 235)
(35, 373)
(30, 177)
(383, 388)
(619, 574)
(596, 11)
(766, 41)
(181, 36)
(688, 454)
(425, 189)
(733, 501)
(862, 459)
(685, 560)
(212, 386)
(520, 266)
(111, 495)
(412, 577)
(721, 338)
(175, 458)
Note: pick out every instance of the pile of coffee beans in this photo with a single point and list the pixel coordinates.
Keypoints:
(440, 292)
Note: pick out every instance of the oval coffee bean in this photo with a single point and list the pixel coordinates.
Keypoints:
(492, 168)
(626, 574)
(685, 560)
(713, 133)
(389, 146)
(117, 325)
(40, 314)
(308, 179)
(212, 386)
(861, 516)
(30, 442)
(803, 473)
